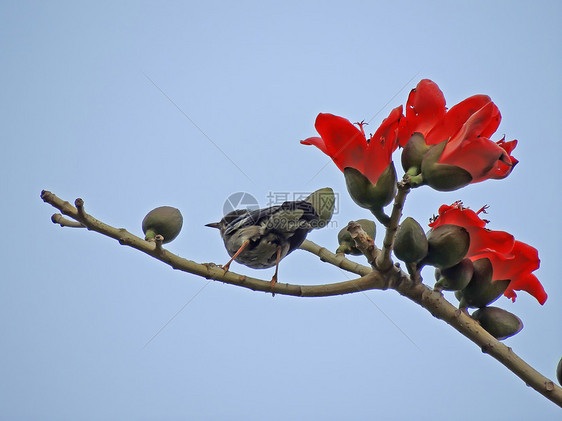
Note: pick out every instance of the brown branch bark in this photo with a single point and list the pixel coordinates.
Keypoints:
(384, 261)
(338, 260)
(435, 303)
(392, 277)
(363, 242)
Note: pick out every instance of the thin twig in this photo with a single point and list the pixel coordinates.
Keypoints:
(57, 218)
(338, 260)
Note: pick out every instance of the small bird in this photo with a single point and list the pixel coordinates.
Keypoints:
(261, 238)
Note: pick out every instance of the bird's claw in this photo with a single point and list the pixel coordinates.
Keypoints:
(273, 282)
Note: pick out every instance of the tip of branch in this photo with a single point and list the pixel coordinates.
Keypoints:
(57, 218)
(79, 203)
(45, 194)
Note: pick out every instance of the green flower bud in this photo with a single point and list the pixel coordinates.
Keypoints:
(385, 187)
(369, 195)
(165, 221)
(442, 177)
(412, 154)
(499, 323)
(323, 201)
(410, 243)
(448, 245)
(482, 290)
(347, 244)
(456, 277)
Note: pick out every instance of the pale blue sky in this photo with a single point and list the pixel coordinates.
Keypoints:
(80, 117)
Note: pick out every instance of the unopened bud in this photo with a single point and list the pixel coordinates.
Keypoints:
(368, 195)
(482, 290)
(499, 323)
(413, 153)
(410, 243)
(165, 221)
(456, 277)
(442, 177)
(448, 245)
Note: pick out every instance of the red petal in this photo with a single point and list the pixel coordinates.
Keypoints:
(316, 141)
(499, 171)
(386, 133)
(482, 240)
(517, 266)
(424, 108)
(528, 283)
(455, 118)
(469, 150)
(507, 146)
(381, 145)
(478, 124)
(525, 260)
(403, 132)
(505, 165)
(493, 122)
(345, 143)
(477, 155)
(458, 216)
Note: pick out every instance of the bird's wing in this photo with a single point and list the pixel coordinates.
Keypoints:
(292, 220)
(292, 216)
(247, 218)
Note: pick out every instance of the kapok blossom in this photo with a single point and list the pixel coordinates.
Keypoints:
(348, 146)
(466, 128)
(511, 259)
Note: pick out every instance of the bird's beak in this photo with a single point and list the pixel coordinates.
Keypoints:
(214, 225)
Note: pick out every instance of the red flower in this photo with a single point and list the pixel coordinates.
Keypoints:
(510, 259)
(347, 145)
(466, 127)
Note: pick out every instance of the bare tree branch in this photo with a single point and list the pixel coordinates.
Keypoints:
(371, 280)
(338, 260)
(392, 277)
